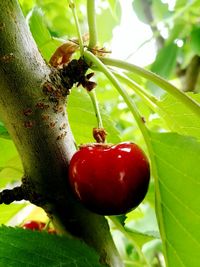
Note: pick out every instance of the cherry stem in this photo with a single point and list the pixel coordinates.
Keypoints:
(73, 8)
(46, 228)
(165, 85)
(138, 118)
(91, 15)
(93, 98)
(149, 99)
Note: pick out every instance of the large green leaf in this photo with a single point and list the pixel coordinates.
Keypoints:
(178, 185)
(82, 118)
(22, 248)
(179, 117)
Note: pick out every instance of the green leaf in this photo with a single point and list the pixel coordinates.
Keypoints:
(113, 3)
(179, 117)
(178, 200)
(48, 48)
(181, 3)
(82, 118)
(8, 152)
(11, 174)
(195, 41)
(38, 26)
(41, 34)
(139, 10)
(164, 65)
(59, 17)
(22, 248)
(8, 212)
(165, 61)
(142, 238)
(115, 8)
(106, 21)
(180, 30)
(26, 5)
(160, 10)
(3, 131)
(121, 219)
(10, 164)
(151, 249)
(143, 220)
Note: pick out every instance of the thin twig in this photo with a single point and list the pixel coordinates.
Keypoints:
(8, 196)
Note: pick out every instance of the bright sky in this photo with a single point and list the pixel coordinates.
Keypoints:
(129, 35)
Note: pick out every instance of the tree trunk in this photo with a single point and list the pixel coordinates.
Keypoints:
(40, 130)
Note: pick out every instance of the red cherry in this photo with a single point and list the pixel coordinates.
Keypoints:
(34, 225)
(110, 179)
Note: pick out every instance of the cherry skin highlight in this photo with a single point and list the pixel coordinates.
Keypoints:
(110, 179)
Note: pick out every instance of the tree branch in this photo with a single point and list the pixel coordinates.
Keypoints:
(35, 123)
(191, 75)
(149, 17)
(7, 196)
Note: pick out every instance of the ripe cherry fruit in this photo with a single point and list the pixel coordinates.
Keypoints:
(110, 179)
(34, 225)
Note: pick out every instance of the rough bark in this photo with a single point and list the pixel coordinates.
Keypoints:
(40, 130)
